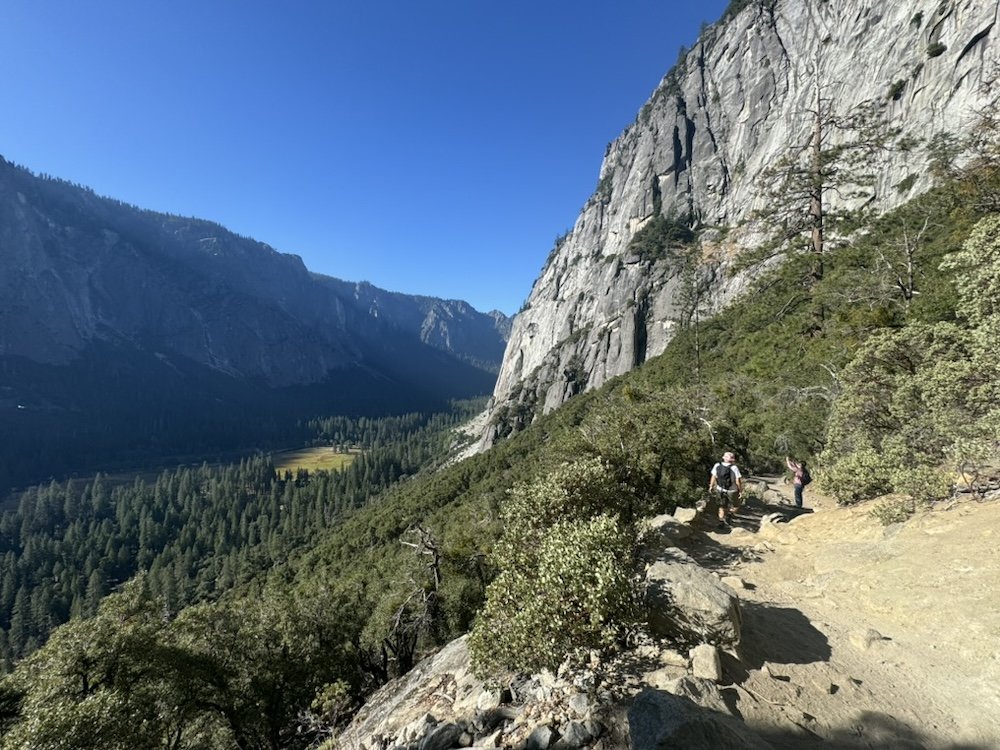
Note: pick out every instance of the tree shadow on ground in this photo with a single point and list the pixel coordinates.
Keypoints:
(869, 730)
(667, 720)
(779, 635)
(706, 550)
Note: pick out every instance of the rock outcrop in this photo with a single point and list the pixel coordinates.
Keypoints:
(661, 720)
(687, 604)
(730, 108)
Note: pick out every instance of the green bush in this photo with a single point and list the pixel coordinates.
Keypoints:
(936, 49)
(895, 510)
(902, 405)
(566, 561)
(918, 404)
(658, 236)
(576, 596)
(572, 492)
(855, 475)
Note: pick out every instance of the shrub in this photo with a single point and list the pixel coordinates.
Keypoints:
(571, 492)
(936, 49)
(919, 403)
(896, 90)
(576, 595)
(904, 185)
(922, 483)
(856, 475)
(894, 510)
(566, 563)
(658, 235)
(901, 406)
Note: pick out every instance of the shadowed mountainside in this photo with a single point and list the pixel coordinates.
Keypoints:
(124, 330)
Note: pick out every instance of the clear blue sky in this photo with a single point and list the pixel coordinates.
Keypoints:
(427, 146)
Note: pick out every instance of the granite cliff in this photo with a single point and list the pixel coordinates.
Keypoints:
(730, 108)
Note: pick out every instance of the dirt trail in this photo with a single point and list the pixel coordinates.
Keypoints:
(858, 635)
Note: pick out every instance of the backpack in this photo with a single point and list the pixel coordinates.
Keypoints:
(724, 476)
(806, 476)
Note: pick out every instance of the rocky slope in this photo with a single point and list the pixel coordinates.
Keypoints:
(850, 635)
(731, 107)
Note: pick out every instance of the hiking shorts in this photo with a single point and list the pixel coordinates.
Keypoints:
(727, 498)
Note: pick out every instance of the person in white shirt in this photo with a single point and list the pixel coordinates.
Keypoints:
(727, 481)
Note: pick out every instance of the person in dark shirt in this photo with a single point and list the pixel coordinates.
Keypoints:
(727, 481)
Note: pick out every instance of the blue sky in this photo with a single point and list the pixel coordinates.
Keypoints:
(430, 147)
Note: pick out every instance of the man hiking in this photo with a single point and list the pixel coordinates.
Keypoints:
(727, 481)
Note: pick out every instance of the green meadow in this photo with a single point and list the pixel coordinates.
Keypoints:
(323, 458)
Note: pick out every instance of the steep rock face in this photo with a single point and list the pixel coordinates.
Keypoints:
(729, 109)
(79, 268)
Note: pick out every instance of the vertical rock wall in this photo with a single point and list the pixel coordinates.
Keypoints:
(730, 108)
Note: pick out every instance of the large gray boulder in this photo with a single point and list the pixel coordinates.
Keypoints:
(660, 533)
(686, 603)
(658, 721)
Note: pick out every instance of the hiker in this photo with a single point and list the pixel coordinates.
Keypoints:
(728, 482)
(800, 478)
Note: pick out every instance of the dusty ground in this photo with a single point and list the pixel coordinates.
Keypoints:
(859, 635)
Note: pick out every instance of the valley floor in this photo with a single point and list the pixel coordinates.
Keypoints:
(858, 635)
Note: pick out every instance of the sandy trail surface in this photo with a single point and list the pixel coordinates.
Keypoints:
(861, 635)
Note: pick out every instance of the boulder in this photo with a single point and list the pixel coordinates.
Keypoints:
(573, 734)
(579, 704)
(418, 728)
(661, 532)
(659, 720)
(706, 662)
(662, 678)
(686, 515)
(442, 737)
(701, 691)
(687, 603)
(542, 738)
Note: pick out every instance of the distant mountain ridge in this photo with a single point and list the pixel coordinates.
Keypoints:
(94, 291)
(453, 326)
